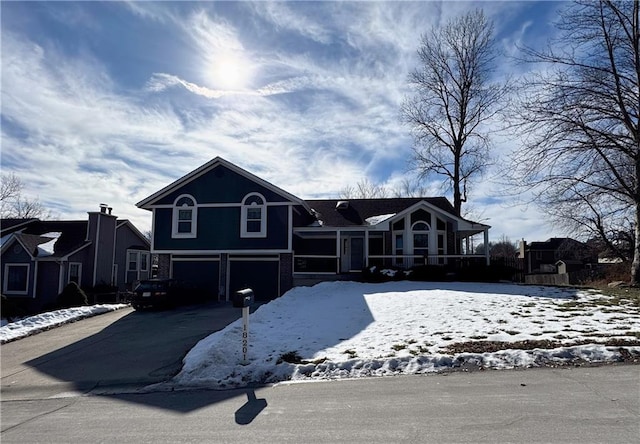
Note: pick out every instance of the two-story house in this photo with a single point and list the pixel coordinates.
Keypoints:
(39, 258)
(224, 229)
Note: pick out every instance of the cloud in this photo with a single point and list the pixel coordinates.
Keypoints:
(320, 112)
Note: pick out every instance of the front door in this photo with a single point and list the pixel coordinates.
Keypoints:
(352, 254)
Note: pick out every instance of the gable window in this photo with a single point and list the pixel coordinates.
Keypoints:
(420, 238)
(16, 280)
(75, 269)
(254, 216)
(185, 216)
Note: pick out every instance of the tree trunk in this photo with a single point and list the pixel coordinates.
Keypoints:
(457, 194)
(635, 265)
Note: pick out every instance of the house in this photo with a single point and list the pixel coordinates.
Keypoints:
(39, 258)
(223, 229)
(543, 257)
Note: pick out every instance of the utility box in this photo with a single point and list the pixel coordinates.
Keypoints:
(243, 298)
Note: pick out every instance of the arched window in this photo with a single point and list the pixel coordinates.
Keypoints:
(185, 216)
(254, 216)
(420, 232)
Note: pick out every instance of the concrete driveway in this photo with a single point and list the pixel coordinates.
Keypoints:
(115, 350)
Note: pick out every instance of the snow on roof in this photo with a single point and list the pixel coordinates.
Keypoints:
(47, 249)
(375, 220)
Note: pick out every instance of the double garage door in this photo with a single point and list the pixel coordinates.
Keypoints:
(261, 274)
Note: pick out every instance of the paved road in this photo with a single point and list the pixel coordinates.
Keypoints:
(583, 405)
(67, 385)
(115, 349)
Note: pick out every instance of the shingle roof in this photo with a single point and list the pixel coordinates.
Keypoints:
(73, 234)
(10, 225)
(361, 209)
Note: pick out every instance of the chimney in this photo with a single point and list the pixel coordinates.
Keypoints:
(103, 208)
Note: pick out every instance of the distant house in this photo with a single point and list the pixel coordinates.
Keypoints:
(546, 257)
(39, 258)
(223, 228)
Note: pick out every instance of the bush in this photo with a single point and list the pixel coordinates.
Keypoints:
(71, 296)
(429, 273)
(10, 309)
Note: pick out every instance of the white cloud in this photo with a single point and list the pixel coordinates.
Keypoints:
(311, 124)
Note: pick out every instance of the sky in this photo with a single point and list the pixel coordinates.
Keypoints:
(394, 328)
(108, 102)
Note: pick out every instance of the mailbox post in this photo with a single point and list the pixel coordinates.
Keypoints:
(243, 299)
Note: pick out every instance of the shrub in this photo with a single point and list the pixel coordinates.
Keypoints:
(71, 296)
(428, 273)
(10, 309)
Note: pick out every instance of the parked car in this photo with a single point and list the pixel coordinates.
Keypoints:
(161, 293)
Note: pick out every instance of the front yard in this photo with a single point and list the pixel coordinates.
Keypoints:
(348, 329)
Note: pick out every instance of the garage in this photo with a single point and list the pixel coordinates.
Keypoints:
(203, 274)
(262, 275)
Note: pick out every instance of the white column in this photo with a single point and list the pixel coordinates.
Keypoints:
(486, 246)
(366, 248)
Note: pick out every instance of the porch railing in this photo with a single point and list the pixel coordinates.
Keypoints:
(330, 264)
(409, 261)
(316, 264)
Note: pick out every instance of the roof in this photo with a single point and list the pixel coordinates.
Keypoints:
(72, 237)
(552, 244)
(359, 210)
(10, 225)
(148, 202)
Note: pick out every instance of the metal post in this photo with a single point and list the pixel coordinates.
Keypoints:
(245, 334)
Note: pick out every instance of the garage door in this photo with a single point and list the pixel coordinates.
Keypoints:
(261, 275)
(203, 274)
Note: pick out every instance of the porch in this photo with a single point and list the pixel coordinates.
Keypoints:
(332, 264)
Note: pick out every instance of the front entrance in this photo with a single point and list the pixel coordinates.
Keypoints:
(352, 255)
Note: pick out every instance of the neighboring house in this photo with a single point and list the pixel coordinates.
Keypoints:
(223, 229)
(544, 257)
(39, 258)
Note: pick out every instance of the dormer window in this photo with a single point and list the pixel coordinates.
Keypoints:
(185, 217)
(254, 216)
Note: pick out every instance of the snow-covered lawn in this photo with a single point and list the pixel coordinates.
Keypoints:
(45, 321)
(349, 330)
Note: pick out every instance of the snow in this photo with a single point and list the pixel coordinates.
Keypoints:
(350, 330)
(375, 220)
(45, 321)
(47, 249)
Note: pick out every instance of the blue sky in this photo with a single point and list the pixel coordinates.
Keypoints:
(111, 101)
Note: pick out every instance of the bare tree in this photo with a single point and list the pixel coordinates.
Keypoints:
(365, 189)
(580, 118)
(13, 204)
(410, 188)
(453, 98)
(503, 248)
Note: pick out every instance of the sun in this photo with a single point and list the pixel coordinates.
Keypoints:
(230, 72)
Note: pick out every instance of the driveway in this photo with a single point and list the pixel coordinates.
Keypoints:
(125, 348)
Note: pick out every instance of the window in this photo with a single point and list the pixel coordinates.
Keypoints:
(16, 279)
(132, 261)
(137, 261)
(144, 261)
(254, 216)
(185, 216)
(420, 238)
(399, 248)
(75, 270)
